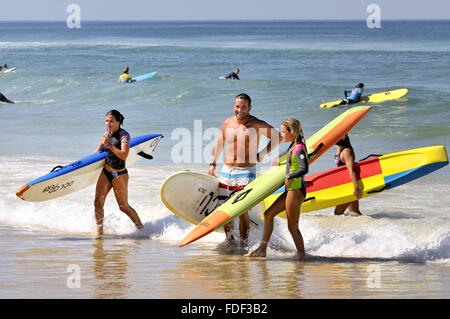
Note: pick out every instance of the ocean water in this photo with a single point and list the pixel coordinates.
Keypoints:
(66, 81)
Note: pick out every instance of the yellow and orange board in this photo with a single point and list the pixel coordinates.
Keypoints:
(273, 178)
(334, 186)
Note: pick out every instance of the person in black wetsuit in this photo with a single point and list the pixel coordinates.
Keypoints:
(115, 141)
(345, 155)
(233, 75)
(4, 99)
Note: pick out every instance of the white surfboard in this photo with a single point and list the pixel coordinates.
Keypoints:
(83, 173)
(9, 70)
(193, 196)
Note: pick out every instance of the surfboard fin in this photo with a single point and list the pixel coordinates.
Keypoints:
(313, 153)
(56, 168)
(379, 190)
(369, 156)
(309, 198)
(145, 155)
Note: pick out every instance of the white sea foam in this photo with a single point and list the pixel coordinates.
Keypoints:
(226, 43)
(408, 223)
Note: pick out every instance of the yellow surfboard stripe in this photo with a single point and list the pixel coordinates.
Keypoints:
(402, 161)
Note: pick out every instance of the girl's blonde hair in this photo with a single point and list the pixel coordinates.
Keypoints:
(294, 127)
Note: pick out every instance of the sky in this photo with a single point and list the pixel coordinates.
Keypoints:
(156, 10)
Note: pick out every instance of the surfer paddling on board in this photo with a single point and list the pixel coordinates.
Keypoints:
(240, 135)
(125, 77)
(345, 155)
(233, 75)
(355, 94)
(115, 141)
(295, 188)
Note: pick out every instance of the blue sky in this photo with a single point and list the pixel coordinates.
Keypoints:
(223, 9)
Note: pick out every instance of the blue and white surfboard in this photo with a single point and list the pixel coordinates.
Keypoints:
(83, 173)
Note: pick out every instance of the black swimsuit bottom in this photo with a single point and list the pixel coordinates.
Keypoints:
(303, 191)
(111, 175)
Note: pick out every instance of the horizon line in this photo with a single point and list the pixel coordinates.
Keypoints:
(233, 20)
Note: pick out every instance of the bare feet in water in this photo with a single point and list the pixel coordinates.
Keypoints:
(258, 252)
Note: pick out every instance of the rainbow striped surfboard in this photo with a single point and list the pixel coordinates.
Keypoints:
(380, 173)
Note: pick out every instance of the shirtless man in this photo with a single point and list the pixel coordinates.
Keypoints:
(240, 135)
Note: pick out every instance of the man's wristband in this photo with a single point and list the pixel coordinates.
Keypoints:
(212, 164)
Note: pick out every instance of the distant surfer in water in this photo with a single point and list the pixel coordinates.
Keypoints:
(353, 95)
(125, 77)
(115, 141)
(345, 155)
(4, 99)
(3, 67)
(240, 135)
(296, 160)
(233, 75)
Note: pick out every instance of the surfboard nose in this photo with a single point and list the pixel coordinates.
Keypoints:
(195, 234)
(216, 219)
(22, 190)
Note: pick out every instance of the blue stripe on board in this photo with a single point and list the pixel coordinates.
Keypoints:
(88, 160)
(143, 138)
(282, 189)
(241, 175)
(412, 174)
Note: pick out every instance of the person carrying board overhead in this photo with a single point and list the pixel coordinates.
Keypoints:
(240, 135)
(115, 141)
(125, 77)
(353, 95)
(296, 159)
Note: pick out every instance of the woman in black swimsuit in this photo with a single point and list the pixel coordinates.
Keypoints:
(115, 141)
(345, 156)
